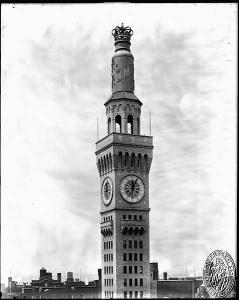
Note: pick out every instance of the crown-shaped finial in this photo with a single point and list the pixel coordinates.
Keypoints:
(122, 33)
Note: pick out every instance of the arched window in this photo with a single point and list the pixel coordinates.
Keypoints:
(126, 161)
(145, 162)
(130, 124)
(99, 166)
(139, 161)
(109, 125)
(118, 124)
(111, 163)
(102, 165)
(120, 162)
(138, 126)
(133, 160)
(107, 163)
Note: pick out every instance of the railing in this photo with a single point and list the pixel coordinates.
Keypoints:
(123, 138)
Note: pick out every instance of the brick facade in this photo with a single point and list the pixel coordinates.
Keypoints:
(125, 251)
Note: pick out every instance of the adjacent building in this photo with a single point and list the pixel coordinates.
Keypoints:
(178, 287)
(48, 288)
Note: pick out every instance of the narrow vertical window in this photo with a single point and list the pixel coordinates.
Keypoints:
(141, 256)
(140, 244)
(125, 269)
(136, 294)
(130, 294)
(125, 281)
(135, 256)
(140, 217)
(130, 269)
(130, 256)
(124, 244)
(141, 282)
(125, 258)
(136, 281)
(130, 244)
(140, 269)
(135, 269)
(135, 217)
(135, 244)
(141, 293)
(130, 282)
(125, 295)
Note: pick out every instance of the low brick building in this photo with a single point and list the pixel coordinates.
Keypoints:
(178, 288)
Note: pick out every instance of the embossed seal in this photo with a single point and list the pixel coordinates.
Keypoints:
(219, 274)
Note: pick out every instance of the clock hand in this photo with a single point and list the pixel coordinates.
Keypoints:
(135, 182)
(132, 188)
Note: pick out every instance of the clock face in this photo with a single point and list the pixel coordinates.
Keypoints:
(107, 190)
(132, 189)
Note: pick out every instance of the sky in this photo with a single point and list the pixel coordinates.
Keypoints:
(56, 77)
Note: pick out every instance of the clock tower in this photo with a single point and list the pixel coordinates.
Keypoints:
(123, 160)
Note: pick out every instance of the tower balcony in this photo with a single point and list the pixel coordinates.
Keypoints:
(133, 227)
(106, 228)
(136, 141)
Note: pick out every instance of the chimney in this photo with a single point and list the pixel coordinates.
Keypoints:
(70, 276)
(165, 275)
(59, 277)
(42, 272)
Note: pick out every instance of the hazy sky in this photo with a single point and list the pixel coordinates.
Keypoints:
(56, 76)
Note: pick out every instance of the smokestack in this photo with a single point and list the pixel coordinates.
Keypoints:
(99, 274)
(42, 272)
(59, 277)
(165, 275)
(9, 281)
(70, 276)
